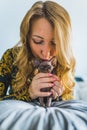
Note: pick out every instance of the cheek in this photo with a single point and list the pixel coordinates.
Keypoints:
(53, 51)
(35, 49)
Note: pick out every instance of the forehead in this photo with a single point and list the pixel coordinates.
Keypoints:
(42, 27)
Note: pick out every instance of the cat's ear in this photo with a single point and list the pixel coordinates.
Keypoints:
(54, 61)
(36, 62)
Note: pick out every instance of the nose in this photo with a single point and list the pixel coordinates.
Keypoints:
(46, 51)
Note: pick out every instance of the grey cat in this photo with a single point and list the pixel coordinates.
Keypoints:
(46, 67)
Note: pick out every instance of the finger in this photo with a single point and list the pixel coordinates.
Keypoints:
(46, 85)
(54, 94)
(59, 90)
(58, 83)
(41, 75)
(47, 79)
(56, 77)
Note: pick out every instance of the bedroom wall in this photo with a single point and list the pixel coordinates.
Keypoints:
(12, 12)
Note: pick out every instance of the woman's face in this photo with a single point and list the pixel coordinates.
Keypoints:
(42, 42)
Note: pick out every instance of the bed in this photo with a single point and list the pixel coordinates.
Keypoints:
(63, 115)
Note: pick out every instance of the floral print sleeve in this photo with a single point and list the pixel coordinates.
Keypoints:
(6, 65)
(5, 70)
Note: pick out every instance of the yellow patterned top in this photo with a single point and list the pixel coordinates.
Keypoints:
(7, 79)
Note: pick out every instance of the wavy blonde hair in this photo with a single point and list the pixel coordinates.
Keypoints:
(60, 20)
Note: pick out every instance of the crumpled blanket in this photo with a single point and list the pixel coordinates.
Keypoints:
(63, 115)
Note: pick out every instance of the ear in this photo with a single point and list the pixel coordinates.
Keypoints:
(36, 62)
(54, 61)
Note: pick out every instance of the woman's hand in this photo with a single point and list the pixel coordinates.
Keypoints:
(58, 89)
(41, 80)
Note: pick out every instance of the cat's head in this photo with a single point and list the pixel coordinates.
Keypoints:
(46, 66)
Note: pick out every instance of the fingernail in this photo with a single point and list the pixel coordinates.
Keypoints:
(53, 84)
(54, 79)
(50, 74)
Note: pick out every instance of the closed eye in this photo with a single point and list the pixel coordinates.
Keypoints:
(37, 42)
(53, 43)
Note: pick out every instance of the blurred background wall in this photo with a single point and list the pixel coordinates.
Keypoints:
(12, 13)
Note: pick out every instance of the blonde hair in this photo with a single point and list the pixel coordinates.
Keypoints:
(60, 20)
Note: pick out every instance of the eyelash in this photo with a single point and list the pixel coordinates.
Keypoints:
(53, 43)
(37, 42)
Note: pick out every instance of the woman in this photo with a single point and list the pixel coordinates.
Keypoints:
(44, 34)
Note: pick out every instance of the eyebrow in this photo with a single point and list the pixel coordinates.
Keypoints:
(41, 37)
(38, 36)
